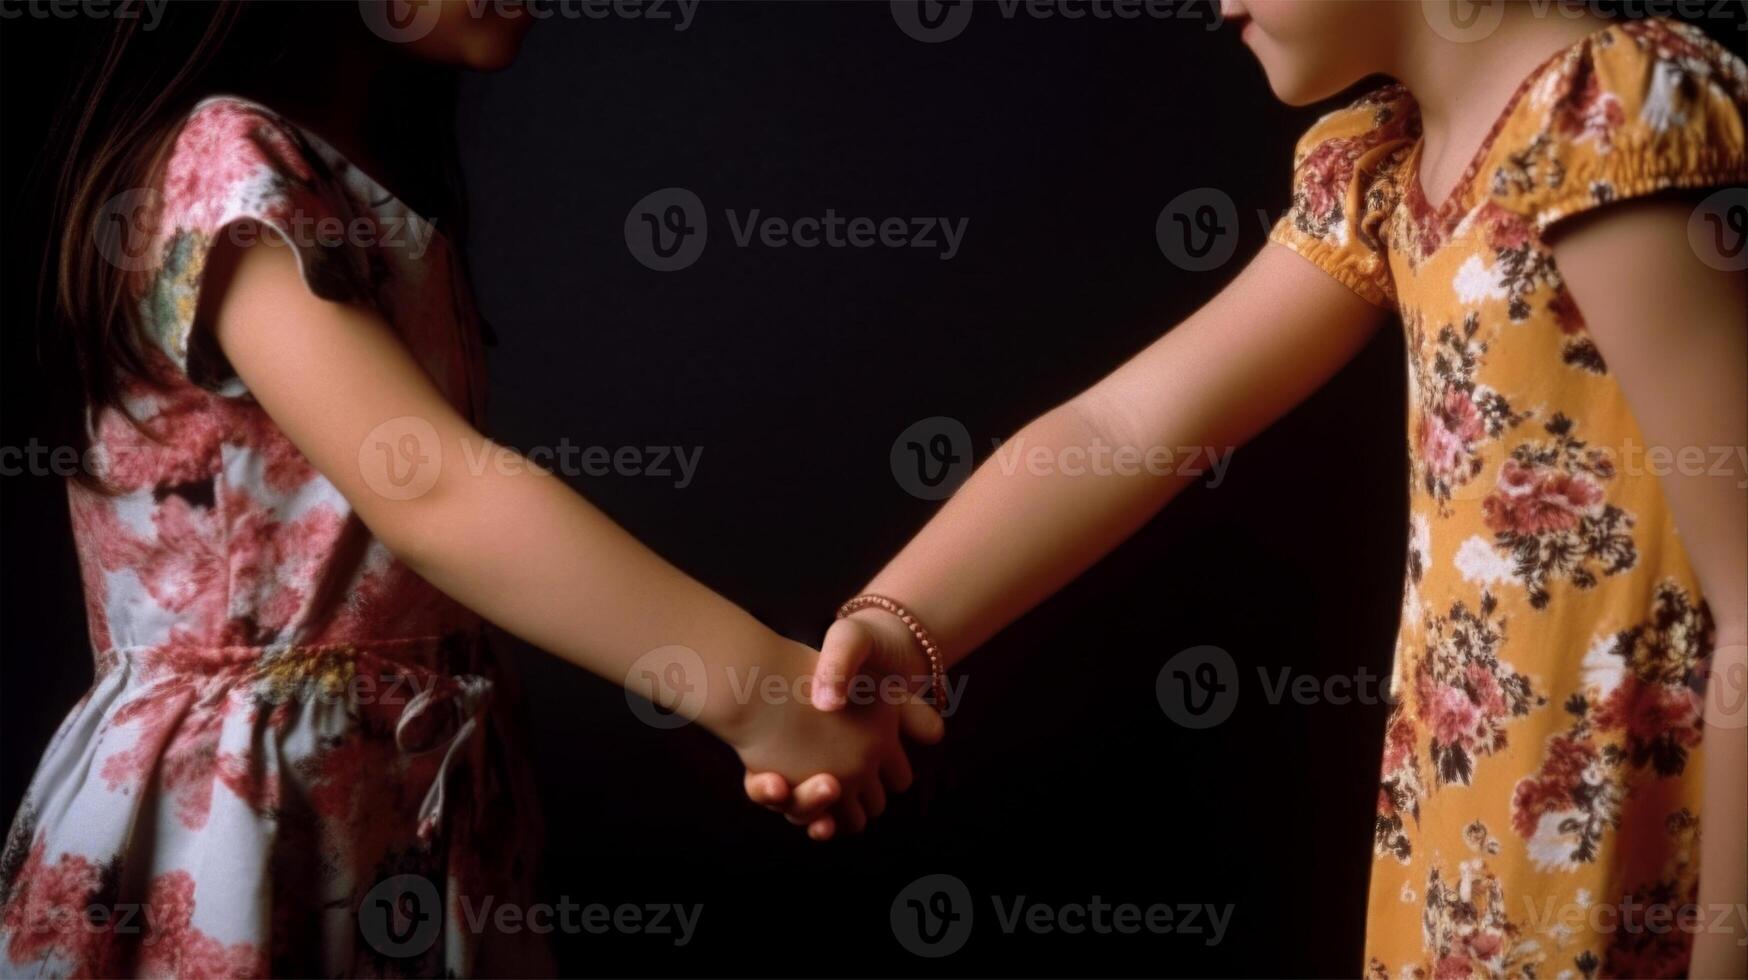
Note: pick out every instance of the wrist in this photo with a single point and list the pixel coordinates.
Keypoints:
(899, 655)
(737, 705)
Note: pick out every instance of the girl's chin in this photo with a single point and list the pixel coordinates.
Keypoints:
(1293, 89)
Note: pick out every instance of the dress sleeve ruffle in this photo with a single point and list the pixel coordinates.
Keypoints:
(238, 174)
(1642, 107)
(1346, 182)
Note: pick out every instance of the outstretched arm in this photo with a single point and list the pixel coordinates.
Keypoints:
(511, 541)
(1014, 534)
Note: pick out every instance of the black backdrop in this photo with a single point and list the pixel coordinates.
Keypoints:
(793, 371)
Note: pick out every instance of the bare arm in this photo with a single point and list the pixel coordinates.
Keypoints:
(1675, 334)
(1014, 534)
(508, 539)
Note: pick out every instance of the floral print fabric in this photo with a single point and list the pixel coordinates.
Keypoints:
(1540, 786)
(283, 714)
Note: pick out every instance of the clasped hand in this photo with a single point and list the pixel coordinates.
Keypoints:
(830, 765)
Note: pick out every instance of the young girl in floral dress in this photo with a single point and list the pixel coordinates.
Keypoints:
(293, 760)
(1522, 198)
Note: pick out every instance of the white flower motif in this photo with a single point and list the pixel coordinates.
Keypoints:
(1481, 563)
(1603, 671)
(1550, 847)
(1663, 108)
(1475, 281)
(1338, 230)
(1420, 545)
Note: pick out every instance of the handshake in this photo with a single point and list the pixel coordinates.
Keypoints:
(828, 757)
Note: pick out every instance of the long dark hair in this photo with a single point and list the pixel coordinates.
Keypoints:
(112, 136)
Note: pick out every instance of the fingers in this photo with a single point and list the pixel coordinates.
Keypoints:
(767, 789)
(823, 828)
(812, 796)
(920, 722)
(896, 773)
(873, 798)
(852, 819)
(847, 644)
(818, 792)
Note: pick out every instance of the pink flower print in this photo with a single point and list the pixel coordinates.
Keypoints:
(1534, 500)
(1454, 715)
(1446, 434)
(222, 148)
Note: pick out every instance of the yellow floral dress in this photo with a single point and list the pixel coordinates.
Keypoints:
(1540, 788)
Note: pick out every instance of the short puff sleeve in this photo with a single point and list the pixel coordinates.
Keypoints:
(1346, 183)
(235, 171)
(1640, 107)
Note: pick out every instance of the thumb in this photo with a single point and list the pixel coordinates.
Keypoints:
(846, 647)
(767, 788)
(921, 722)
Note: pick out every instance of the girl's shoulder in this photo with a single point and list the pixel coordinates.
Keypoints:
(1383, 116)
(233, 157)
(1638, 107)
(234, 171)
(1347, 171)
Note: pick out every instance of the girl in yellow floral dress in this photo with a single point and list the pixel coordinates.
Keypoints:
(1537, 197)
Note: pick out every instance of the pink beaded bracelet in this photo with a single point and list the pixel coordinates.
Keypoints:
(931, 649)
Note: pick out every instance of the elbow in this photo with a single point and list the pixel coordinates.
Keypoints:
(1098, 417)
(414, 541)
(423, 531)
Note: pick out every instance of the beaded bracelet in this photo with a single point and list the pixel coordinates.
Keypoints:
(931, 649)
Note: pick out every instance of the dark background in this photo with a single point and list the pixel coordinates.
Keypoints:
(794, 371)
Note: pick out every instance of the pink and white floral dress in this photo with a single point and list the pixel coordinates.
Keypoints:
(293, 758)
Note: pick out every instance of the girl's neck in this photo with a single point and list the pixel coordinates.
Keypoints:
(357, 99)
(1462, 88)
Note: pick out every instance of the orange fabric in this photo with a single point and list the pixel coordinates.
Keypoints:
(1540, 788)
